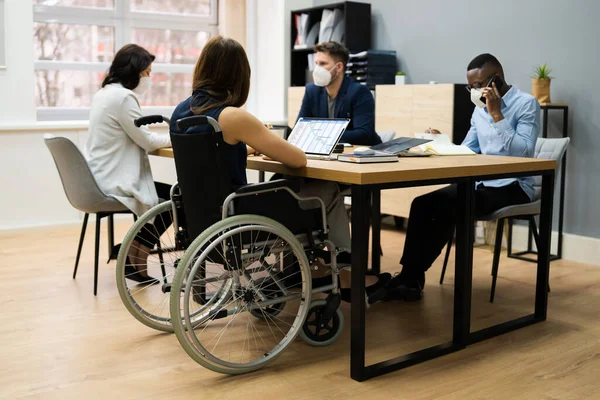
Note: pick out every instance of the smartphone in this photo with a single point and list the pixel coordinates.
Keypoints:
(499, 84)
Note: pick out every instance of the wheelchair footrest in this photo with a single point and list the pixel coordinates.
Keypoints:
(333, 303)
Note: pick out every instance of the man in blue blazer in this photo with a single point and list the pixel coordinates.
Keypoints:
(335, 95)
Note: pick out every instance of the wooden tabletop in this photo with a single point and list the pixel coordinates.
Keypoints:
(557, 105)
(407, 169)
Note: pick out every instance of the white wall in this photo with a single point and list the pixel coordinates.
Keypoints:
(265, 47)
(16, 82)
(32, 191)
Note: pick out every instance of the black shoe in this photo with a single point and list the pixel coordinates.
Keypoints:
(375, 292)
(405, 287)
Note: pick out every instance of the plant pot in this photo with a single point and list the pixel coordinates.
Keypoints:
(400, 79)
(540, 89)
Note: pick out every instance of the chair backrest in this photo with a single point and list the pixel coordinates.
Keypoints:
(549, 149)
(78, 182)
(202, 173)
(386, 136)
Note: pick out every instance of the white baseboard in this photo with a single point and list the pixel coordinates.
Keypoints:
(576, 248)
(52, 225)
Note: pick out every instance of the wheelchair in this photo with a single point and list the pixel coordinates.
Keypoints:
(241, 290)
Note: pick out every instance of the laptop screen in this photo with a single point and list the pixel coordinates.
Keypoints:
(317, 135)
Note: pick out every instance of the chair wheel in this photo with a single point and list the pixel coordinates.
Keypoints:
(317, 332)
(271, 291)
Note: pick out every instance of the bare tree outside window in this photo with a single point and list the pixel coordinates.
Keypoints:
(71, 60)
(194, 7)
(67, 42)
(77, 3)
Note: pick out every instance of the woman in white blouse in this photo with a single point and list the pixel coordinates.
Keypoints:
(117, 150)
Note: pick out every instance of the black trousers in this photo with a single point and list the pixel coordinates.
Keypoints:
(149, 236)
(433, 218)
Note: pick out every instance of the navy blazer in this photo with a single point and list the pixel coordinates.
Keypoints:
(353, 101)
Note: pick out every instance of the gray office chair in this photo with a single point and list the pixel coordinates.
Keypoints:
(83, 193)
(551, 149)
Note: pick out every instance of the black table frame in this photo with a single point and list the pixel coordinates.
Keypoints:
(365, 200)
(522, 255)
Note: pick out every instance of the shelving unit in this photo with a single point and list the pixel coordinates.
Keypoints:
(357, 34)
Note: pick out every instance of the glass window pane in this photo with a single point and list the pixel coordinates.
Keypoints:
(77, 3)
(68, 42)
(168, 89)
(172, 47)
(194, 7)
(66, 88)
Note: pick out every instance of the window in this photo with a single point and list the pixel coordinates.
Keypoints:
(75, 42)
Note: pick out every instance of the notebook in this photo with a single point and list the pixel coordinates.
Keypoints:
(379, 157)
(317, 137)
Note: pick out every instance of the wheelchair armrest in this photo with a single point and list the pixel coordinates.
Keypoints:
(294, 185)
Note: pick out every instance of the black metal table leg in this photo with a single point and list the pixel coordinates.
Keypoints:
(541, 289)
(360, 249)
(376, 231)
(261, 176)
(463, 273)
(561, 204)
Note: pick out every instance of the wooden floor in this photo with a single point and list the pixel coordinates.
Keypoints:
(58, 341)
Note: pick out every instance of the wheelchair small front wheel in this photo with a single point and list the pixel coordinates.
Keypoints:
(319, 331)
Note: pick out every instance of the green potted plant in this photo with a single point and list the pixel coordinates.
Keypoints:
(400, 78)
(540, 83)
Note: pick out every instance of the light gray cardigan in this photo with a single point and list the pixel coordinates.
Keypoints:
(117, 150)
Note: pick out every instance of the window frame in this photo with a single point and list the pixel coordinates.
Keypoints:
(123, 20)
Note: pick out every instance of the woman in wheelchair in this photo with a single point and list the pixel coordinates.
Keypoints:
(117, 149)
(221, 83)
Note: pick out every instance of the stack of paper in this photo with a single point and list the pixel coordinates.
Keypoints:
(441, 145)
(373, 67)
(441, 149)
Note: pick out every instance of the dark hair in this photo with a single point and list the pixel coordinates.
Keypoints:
(222, 71)
(337, 51)
(483, 59)
(130, 61)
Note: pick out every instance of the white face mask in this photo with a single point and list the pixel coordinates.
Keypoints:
(476, 98)
(322, 76)
(144, 86)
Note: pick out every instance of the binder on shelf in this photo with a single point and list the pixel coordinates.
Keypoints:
(302, 22)
(311, 61)
(311, 38)
(338, 32)
(330, 19)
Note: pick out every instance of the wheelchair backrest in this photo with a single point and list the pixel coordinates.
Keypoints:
(202, 172)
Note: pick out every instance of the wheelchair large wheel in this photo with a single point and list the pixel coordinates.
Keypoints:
(148, 302)
(248, 252)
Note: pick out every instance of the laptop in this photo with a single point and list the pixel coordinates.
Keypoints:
(400, 144)
(317, 137)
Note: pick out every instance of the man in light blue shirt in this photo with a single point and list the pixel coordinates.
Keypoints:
(505, 122)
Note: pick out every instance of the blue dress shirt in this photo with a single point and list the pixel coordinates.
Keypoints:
(515, 135)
